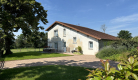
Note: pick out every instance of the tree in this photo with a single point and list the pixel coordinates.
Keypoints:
(124, 34)
(38, 39)
(20, 41)
(135, 38)
(103, 28)
(20, 14)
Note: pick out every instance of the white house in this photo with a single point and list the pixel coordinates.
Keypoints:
(65, 37)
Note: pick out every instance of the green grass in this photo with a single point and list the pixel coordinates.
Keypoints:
(50, 72)
(78, 53)
(25, 50)
(30, 55)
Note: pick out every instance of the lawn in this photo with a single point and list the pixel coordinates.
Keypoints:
(31, 54)
(26, 50)
(50, 72)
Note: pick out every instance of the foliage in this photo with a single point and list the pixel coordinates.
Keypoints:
(107, 43)
(35, 40)
(80, 49)
(109, 51)
(25, 15)
(133, 52)
(1, 43)
(38, 39)
(127, 71)
(135, 38)
(129, 44)
(124, 34)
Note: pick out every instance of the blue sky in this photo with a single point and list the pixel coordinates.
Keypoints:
(115, 14)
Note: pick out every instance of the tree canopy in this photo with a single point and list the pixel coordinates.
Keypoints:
(20, 14)
(124, 34)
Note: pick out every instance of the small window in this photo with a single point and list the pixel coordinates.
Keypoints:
(74, 40)
(64, 32)
(56, 33)
(90, 45)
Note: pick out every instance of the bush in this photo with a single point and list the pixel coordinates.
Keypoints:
(127, 70)
(79, 49)
(133, 52)
(129, 44)
(109, 51)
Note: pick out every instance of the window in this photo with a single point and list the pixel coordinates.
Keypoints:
(56, 33)
(64, 32)
(74, 40)
(90, 45)
(64, 44)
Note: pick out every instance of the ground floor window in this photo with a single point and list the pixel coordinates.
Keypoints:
(90, 45)
(64, 44)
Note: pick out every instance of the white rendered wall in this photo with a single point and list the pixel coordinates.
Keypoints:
(82, 40)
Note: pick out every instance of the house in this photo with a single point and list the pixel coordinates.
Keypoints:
(66, 37)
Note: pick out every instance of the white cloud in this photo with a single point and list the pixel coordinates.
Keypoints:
(117, 26)
(129, 19)
(128, 29)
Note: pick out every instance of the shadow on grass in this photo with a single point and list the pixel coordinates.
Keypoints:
(50, 72)
(1, 63)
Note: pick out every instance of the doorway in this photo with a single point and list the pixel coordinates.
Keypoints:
(64, 46)
(56, 46)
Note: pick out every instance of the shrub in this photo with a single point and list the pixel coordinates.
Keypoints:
(109, 51)
(133, 52)
(127, 70)
(129, 44)
(79, 49)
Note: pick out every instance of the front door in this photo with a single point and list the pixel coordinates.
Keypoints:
(56, 46)
(64, 46)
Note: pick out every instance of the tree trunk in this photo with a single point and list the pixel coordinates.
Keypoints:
(1, 53)
(7, 46)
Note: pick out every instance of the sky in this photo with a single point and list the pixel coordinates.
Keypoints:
(117, 15)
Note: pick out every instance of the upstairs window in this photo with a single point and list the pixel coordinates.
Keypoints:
(74, 40)
(56, 33)
(64, 32)
(90, 45)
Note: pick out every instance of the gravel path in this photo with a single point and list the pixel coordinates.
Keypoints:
(89, 61)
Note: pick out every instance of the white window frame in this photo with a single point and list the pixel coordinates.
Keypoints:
(89, 45)
(74, 41)
(64, 32)
(55, 34)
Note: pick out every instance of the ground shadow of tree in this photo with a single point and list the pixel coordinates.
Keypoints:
(1, 63)
(94, 64)
(48, 73)
(57, 72)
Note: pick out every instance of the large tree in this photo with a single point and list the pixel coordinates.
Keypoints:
(38, 39)
(124, 34)
(20, 14)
